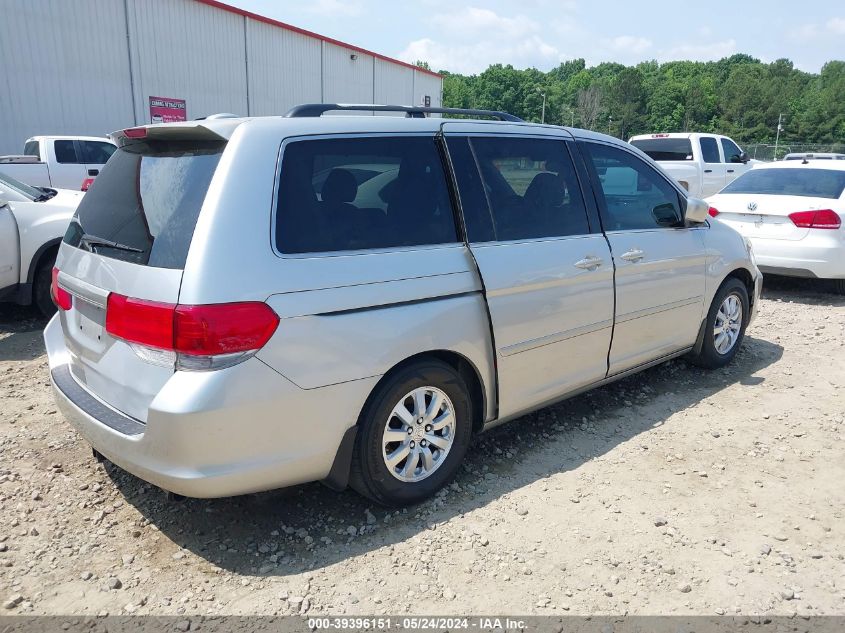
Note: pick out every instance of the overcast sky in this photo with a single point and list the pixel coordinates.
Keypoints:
(467, 37)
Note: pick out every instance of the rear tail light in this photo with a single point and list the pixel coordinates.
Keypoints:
(61, 297)
(823, 219)
(197, 336)
(713, 211)
(86, 183)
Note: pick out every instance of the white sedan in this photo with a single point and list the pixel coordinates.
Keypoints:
(32, 223)
(791, 212)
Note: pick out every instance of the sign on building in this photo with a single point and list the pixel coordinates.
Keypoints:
(167, 110)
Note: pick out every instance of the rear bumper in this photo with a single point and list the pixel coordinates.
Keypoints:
(821, 254)
(215, 434)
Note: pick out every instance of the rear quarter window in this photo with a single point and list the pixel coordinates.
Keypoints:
(146, 200)
(346, 194)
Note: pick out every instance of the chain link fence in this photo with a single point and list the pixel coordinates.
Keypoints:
(766, 151)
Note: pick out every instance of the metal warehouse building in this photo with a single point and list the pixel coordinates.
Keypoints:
(95, 66)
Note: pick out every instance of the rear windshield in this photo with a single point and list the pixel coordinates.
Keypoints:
(665, 148)
(143, 207)
(814, 183)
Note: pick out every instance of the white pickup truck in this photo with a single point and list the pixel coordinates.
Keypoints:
(33, 221)
(60, 162)
(702, 163)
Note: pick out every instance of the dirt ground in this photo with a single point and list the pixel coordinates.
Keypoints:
(677, 491)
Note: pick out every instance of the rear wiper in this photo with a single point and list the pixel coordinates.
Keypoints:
(93, 240)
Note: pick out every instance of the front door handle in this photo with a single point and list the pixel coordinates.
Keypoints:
(634, 255)
(590, 262)
(730, 171)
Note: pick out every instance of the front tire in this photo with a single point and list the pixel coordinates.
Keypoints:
(413, 435)
(724, 329)
(839, 286)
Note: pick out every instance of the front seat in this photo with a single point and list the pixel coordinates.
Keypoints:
(543, 204)
(337, 194)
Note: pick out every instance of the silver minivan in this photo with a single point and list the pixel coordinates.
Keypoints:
(251, 303)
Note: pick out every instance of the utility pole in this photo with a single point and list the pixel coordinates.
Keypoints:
(543, 116)
(777, 134)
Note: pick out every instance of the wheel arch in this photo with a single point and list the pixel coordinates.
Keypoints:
(338, 477)
(740, 274)
(743, 275)
(461, 364)
(44, 250)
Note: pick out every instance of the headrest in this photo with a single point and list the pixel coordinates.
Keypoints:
(546, 189)
(339, 187)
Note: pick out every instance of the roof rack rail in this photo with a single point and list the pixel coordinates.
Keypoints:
(417, 112)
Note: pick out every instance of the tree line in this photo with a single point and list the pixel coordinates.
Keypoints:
(739, 96)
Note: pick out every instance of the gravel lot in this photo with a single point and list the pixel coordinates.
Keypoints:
(677, 491)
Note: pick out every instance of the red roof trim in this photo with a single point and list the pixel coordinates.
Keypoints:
(296, 29)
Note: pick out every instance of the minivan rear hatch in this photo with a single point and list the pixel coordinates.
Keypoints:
(130, 237)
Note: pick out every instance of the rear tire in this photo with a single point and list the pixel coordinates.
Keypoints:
(41, 296)
(839, 286)
(724, 329)
(413, 435)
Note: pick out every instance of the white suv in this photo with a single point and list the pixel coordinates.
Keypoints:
(253, 303)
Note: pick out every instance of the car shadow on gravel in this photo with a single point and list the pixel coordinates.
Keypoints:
(20, 332)
(807, 291)
(308, 527)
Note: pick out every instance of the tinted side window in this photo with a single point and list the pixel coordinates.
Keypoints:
(709, 150)
(362, 193)
(531, 187)
(65, 152)
(96, 152)
(635, 195)
(31, 149)
(731, 151)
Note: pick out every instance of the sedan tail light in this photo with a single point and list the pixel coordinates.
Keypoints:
(823, 219)
(713, 211)
(86, 184)
(196, 336)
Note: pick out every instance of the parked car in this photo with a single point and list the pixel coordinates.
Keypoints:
(792, 213)
(814, 156)
(702, 163)
(60, 162)
(32, 223)
(239, 320)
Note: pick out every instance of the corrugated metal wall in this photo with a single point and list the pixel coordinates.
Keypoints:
(65, 66)
(284, 68)
(347, 75)
(187, 50)
(64, 69)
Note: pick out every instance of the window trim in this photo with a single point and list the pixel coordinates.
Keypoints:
(599, 193)
(277, 179)
(569, 144)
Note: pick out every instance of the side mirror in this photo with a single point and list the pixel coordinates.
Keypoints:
(742, 158)
(696, 211)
